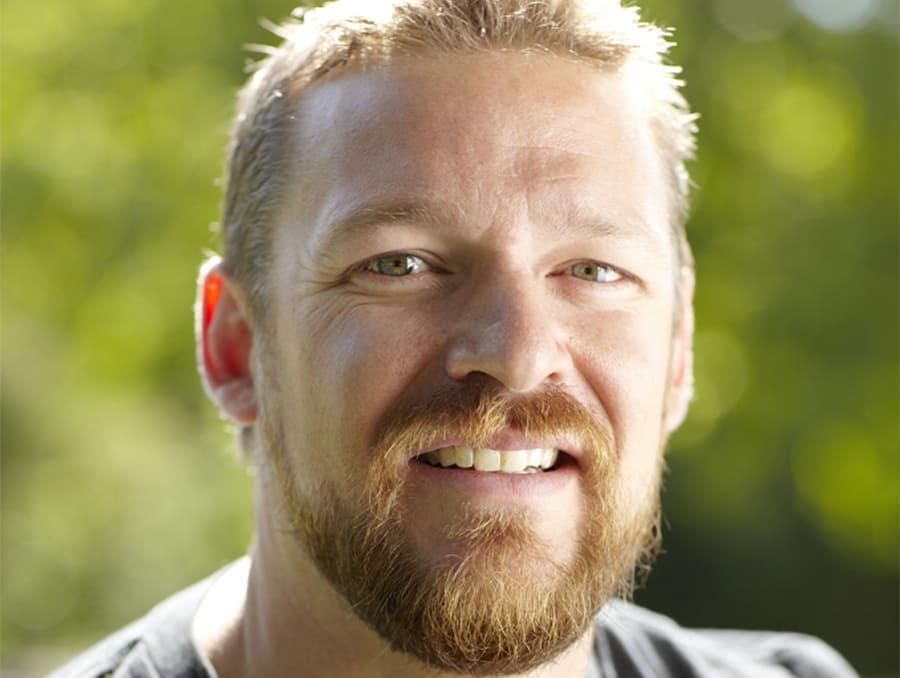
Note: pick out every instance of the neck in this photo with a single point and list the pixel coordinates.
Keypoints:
(274, 612)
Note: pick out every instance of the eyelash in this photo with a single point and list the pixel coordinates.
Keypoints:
(371, 266)
(596, 266)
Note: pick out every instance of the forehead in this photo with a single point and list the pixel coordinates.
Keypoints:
(476, 134)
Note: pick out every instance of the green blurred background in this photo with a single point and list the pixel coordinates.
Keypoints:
(120, 484)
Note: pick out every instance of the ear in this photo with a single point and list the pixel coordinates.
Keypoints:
(224, 343)
(681, 375)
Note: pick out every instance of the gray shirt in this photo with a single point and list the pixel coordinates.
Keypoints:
(630, 642)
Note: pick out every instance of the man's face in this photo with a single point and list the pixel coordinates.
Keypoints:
(465, 234)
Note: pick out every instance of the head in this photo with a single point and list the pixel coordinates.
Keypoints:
(454, 237)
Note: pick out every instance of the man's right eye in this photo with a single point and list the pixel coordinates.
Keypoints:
(396, 265)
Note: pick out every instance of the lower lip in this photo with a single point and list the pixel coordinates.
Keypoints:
(522, 485)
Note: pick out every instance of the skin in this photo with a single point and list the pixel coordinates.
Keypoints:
(513, 172)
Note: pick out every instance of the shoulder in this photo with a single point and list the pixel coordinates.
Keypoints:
(105, 657)
(632, 641)
(159, 644)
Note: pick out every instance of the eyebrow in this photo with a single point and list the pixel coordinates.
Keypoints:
(590, 224)
(358, 223)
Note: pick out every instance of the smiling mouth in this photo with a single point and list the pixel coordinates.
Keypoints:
(538, 460)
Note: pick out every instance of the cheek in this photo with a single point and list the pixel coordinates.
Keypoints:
(625, 361)
(362, 357)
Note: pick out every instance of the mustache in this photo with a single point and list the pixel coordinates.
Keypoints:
(476, 410)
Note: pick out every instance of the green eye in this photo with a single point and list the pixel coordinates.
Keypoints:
(396, 265)
(595, 272)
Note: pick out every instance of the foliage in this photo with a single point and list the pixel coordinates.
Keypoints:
(118, 481)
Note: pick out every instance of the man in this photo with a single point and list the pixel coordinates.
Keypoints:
(453, 323)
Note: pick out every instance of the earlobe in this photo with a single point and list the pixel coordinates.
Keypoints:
(681, 378)
(224, 343)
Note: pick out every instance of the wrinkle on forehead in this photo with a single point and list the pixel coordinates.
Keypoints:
(549, 148)
(421, 132)
(413, 101)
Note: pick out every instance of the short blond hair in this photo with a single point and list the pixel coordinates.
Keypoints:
(317, 42)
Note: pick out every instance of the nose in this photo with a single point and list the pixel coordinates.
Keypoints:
(506, 330)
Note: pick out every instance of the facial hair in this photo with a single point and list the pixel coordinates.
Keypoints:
(505, 603)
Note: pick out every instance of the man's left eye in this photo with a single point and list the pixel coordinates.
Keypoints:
(396, 265)
(595, 272)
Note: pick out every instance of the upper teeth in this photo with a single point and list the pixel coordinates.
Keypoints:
(486, 459)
